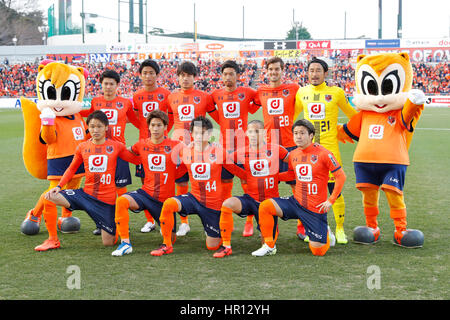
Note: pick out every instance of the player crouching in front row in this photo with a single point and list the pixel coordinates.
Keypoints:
(99, 156)
(309, 165)
(204, 163)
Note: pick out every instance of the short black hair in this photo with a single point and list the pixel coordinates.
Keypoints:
(201, 121)
(304, 123)
(187, 67)
(149, 63)
(158, 114)
(110, 74)
(230, 64)
(98, 115)
(319, 61)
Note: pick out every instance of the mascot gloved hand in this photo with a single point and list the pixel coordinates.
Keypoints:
(53, 129)
(384, 126)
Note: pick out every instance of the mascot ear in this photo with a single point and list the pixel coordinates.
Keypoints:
(358, 59)
(404, 55)
(84, 72)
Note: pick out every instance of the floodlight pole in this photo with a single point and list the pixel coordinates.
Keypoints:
(380, 19)
(118, 20)
(82, 20)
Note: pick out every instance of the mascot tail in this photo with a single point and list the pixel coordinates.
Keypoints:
(34, 152)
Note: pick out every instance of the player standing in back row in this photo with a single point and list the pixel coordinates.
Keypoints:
(186, 104)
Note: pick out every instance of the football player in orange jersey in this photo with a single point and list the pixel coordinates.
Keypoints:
(204, 162)
(185, 105)
(161, 171)
(149, 98)
(310, 165)
(261, 163)
(99, 156)
(118, 110)
(233, 104)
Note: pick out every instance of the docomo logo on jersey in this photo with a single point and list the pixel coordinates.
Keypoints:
(275, 106)
(231, 109)
(78, 133)
(303, 45)
(112, 115)
(259, 168)
(148, 107)
(201, 171)
(157, 162)
(186, 112)
(304, 172)
(316, 111)
(98, 163)
(376, 131)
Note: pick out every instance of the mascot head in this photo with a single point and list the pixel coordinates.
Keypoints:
(60, 87)
(382, 81)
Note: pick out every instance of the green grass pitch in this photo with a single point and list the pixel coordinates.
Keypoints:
(345, 272)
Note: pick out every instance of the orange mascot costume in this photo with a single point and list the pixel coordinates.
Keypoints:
(53, 128)
(388, 112)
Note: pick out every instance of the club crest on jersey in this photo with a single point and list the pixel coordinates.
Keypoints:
(119, 105)
(241, 96)
(186, 112)
(328, 97)
(314, 158)
(231, 109)
(391, 120)
(156, 162)
(109, 149)
(275, 106)
(98, 163)
(167, 149)
(112, 115)
(148, 107)
(78, 133)
(197, 99)
(212, 157)
(160, 97)
(316, 110)
(286, 92)
(201, 171)
(304, 172)
(259, 168)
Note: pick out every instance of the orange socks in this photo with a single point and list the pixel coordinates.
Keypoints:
(320, 251)
(51, 216)
(266, 221)
(121, 191)
(226, 225)
(122, 217)
(167, 220)
(249, 219)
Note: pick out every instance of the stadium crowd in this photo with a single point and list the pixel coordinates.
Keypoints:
(19, 79)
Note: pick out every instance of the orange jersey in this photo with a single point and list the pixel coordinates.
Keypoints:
(311, 167)
(261, 167)
(278, 106)
(100, 167)
(161, 166)
(233, 108)
(185, 106)
(381, 137)
(205, 170)
(145, 102)
(118, 111)
(70, 132)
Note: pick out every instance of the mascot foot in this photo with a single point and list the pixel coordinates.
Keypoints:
(69, 224)
(366, 235)
(410, 238)
(30, 226)
(48, 245)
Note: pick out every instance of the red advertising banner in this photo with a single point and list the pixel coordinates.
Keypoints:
(313, 44)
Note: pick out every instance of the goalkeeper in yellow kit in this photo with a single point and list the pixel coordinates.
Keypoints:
(321, 105)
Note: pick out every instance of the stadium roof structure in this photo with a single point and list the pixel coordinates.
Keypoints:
(190, 35)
